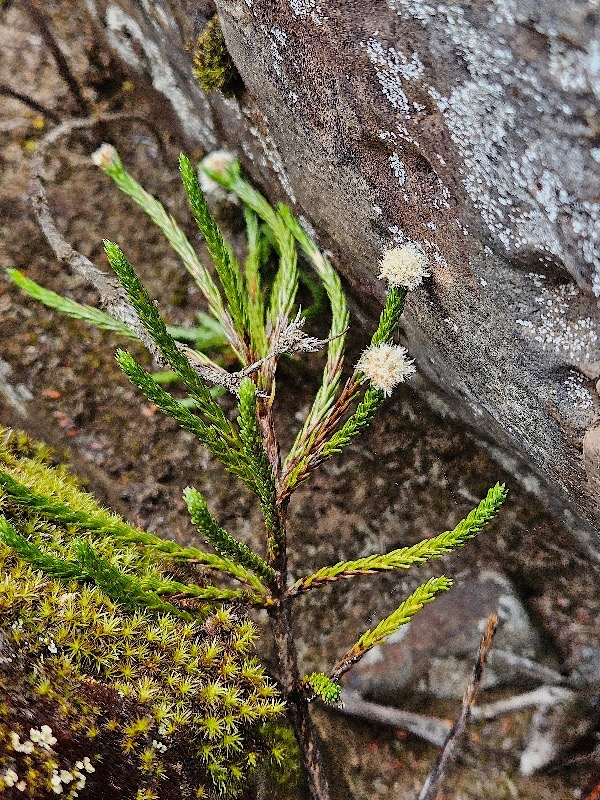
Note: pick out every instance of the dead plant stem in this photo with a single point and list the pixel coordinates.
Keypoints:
(437, 774)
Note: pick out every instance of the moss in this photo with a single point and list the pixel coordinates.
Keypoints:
(213, 67)
(168, 702)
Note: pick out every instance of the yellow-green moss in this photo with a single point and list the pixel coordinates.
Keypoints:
(154, 690)
(213, 67)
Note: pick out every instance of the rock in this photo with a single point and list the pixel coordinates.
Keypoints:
(435, 653)
(468, 128)
(554, 729)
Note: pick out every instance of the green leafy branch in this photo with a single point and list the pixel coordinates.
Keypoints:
(32, 554)
(285, 283)
(323, 687)
(106, 524)
(406, 557)
(259, 462)
(225, 262)
(207, 335)
(225, 544)
(326, 438)
(332, 373)
(113, 167)
(403, 614)
(166, 344)
(119, 586)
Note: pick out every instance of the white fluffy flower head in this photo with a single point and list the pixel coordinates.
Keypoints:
(386, 365)
(217, 161)
(105, 156)
(404, 266)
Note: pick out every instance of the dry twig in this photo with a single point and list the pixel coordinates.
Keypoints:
(39, 20)
(436, 776)
(543, 696)
(8, 91)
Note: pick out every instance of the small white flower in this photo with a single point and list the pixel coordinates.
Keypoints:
(87, 765)
(162, 748)
(56, 783)
(21, 786)
(386, 365)
(404, 266)
(217, 161)
(81, 779)
(66, 776)
(43, 737)
(10, 777)
(52, 647)
(26, 747)
(105, 156)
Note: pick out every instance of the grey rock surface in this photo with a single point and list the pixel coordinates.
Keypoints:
(434, 654)
(470, 128)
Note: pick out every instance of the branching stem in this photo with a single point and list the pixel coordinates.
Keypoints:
(296, 700)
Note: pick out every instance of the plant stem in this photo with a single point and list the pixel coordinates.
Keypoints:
(39, 20)
(297, 703)
(280, 614)
(8, 91)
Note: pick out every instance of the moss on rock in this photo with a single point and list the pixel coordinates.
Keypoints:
(98, 698)
(213, 67)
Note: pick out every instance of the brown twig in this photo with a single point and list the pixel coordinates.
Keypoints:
(62, 64)
(297, 701)
(8, 91)
(437, 774)
(544, 696)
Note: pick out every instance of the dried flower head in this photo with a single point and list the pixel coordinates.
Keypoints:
(404, 266)
(217, 161)
(292, 338)
(386, 365)
(105, 156)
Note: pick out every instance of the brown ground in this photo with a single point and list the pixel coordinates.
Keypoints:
(414, 473)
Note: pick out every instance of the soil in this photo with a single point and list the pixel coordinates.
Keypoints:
(414, 474)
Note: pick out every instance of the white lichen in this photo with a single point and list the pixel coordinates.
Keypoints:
(56, 783)
(555, 326)
(532, 183)
(392, 67)
(18, 746)
(385, 366)
(404, 266)
(86, 764)
(306, 8)
(271, 153)
(398, 168)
